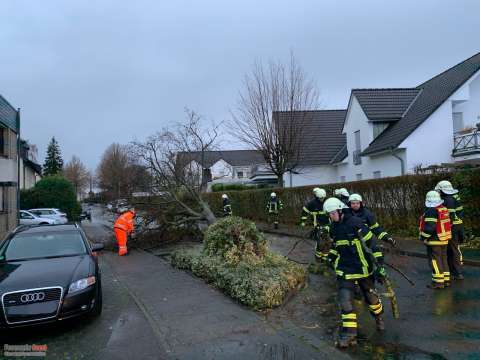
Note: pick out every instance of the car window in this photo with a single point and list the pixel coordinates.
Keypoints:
(24, 215)
(35, 212)
(40, 245)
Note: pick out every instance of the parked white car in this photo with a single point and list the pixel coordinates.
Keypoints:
(27, 218)
(51, 213)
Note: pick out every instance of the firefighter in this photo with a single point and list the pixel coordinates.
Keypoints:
(314, 209)
(342, 194)
(353, 266)
(123, 227)
(358, 209)
(227, 207)
(435, 231)
(451, 200)
(274, 206)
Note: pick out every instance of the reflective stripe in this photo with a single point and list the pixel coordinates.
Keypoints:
(435, 267)
(435, 242)
(342, 242)
(460, 208)
(382, 235)
(377, 254)
(424, 234)
(349, 324)
(362, 256)
(376, 308)
(374, 226)
(368, 236)
(431, 220)
(333, 251)
(356, 276)
(461, 255)
(351, 316)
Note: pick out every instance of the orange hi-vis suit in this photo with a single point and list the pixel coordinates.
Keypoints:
(123, 227)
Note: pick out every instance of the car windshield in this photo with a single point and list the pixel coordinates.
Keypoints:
(43, 245)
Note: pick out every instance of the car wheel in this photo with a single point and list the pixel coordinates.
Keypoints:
(43, 223)
(97, 308)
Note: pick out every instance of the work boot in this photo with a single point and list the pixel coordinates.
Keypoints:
(380, 323)
(458, 277)
(345, 340)
(435, 285)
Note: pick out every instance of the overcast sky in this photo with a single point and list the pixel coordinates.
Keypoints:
(95, 72)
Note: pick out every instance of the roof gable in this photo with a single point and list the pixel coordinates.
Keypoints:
(434, 93)
(232, 157)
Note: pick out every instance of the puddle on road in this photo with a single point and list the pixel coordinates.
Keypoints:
(368, 350)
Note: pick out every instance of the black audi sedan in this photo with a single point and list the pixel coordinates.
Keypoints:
(48, 273)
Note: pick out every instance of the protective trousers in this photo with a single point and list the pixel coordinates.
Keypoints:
(121, 236)
(437, 259)
(454, 255)
(346, 290)
(322, 243)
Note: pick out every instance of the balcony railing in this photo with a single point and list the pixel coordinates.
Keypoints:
(357, 159)
(466, 144)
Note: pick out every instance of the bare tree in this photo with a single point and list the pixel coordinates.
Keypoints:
(270, 113)
(112, 172)
(174, 157)
(76, 172)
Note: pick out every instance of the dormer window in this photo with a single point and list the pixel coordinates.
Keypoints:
(378, 128)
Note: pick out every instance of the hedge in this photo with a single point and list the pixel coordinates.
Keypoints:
(397, 201)
(236, 259)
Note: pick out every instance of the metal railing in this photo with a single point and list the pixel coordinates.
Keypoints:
(467, 143)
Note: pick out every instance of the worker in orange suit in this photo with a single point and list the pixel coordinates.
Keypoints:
(122, 228)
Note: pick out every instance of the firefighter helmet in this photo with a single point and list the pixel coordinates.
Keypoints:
(355, 197)
(273, 194)
(433, 199)
(342, 191)
(446, 187)
(319, 193)
(333, 204)
(224, 196)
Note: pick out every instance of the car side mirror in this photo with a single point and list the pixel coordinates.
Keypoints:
(97, 247)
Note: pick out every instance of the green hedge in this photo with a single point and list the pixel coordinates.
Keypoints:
(397, 201)
(52, 192)
(235, 259)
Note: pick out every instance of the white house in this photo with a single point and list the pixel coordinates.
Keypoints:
(392, 131)
(30, 170)
(228, 166)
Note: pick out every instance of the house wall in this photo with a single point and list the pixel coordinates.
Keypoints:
(221, 169)
(28, 177)
(432, 142)
(470, 92)
(311, 175)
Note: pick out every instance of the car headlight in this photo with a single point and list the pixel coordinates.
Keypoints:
(81, 284)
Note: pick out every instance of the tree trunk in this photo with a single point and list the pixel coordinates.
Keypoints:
(208, 213)
(280, 181)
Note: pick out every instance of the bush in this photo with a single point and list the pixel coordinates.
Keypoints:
(235, 259)
(397, 201)
(52, 192)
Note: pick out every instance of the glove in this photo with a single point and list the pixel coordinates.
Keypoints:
(380, 273)
(392, 241)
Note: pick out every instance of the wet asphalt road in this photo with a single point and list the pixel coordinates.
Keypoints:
(433, 325)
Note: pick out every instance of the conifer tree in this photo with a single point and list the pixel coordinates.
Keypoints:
(53, 164)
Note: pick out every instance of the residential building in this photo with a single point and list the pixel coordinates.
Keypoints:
(228, 166)
(30, 170)
(392, 131)
(9, 129)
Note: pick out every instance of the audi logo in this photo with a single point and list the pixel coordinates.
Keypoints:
(38, 296)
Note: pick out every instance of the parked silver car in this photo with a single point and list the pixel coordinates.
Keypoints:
(27, 218)
(51, 213)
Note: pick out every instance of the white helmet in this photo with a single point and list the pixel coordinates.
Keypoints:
(273, 194)
(355, 197)
(319, 193)
(333, 204)
(433, 199)
(342, 191)
(224, 196)
(446, 187)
